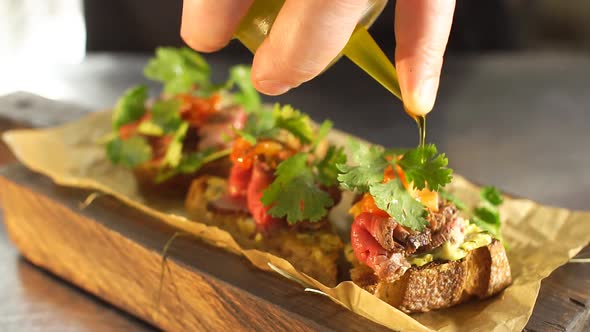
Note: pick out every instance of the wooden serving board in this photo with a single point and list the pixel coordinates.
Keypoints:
(115, 253)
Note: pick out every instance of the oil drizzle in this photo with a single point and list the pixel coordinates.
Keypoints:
(364, 51)
(421, 121)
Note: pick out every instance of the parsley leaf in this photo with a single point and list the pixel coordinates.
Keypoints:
(294, 193)
(491, 195)
(247, 95)
(487, 214)
(267, 124)
(394, 199)
(322, 132)
(295, 122)
(260, 124)
(165, 118)
(179, 69)
(130, 152)
(327, 170)
(425, 168)
(370, 165)
(130, 106)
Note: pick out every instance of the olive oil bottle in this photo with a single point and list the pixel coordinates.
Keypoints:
(361, 49)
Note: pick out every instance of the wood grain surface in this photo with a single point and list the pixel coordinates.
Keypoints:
(114, 253)
(563, 303)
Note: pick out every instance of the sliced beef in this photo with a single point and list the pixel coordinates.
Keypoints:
(220, 126)
(382, 229)
(453, 230)
(417, 240)
(383, 244)
(446, 212)
(387, 264)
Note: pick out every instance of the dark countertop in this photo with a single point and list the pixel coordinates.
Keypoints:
(515, 121)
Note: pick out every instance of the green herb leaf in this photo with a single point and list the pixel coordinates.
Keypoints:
(179, 69)
(491, 195)
(322, 132)
(130, 152)
(260, 124)
(369, 166)
(327, 170)
(247, 95)
(398, 203)
(294, 193)
(425, 168)
(130, 107)
(295, 122)
(487, 214)
(165, 118)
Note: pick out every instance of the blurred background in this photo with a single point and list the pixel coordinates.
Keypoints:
(37, 35)
(515, 84)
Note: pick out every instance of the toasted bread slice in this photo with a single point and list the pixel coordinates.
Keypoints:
(313, 252)
(482, 273)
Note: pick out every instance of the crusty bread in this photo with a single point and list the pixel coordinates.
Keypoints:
(482, 273)
(313, 252)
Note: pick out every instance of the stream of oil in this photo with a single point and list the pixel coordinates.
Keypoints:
(364, 51)
(421, 121)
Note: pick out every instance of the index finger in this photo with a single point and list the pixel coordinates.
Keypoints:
(422, 29)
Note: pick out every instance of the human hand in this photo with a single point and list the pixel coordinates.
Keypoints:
(308, 34)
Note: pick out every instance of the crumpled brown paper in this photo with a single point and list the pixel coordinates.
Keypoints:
(72, 156)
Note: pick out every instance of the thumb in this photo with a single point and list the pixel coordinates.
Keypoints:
(422, 30)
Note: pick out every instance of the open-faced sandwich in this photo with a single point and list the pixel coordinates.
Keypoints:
(410, 245)
(281, 187)
(270, 179)
(188, 128)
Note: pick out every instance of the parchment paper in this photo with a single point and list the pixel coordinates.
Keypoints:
(541, 238)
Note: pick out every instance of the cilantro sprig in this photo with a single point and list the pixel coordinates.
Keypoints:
(327, 171)
(423, 167)
(130, 107)
(298, 191)
(393, 198)
(265, 123)
(294, 193)
(370, 163)
(487, 214)
(181, 71)
(246, 94)
(165, 118)
(130, 152)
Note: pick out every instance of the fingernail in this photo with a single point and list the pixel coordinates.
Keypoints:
(273, 87)
(427, 95)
